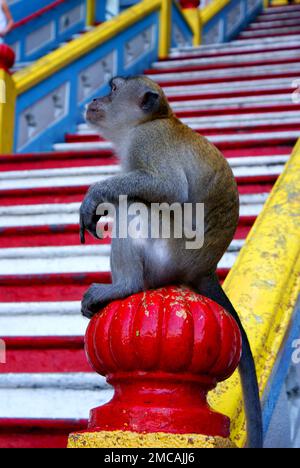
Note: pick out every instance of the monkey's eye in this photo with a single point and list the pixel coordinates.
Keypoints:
(113, 87)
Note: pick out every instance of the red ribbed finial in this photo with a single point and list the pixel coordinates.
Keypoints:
(163, 351)
(189, 3)
(7, 57)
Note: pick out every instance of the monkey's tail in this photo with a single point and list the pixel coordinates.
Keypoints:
(212, 289)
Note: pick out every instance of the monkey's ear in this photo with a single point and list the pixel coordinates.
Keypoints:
(149, 101)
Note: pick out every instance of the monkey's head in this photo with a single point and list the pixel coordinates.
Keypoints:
(131, 102)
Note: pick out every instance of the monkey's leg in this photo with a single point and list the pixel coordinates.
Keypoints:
(211, 288)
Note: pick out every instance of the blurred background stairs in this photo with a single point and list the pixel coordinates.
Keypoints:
(238, 94)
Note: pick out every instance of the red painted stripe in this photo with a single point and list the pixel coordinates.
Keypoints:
(75, 194)
(245, 130)
(59, 235)
(220, 66)
(13, 163)
(224, 53)
(37, 14)
(45, 288)
(37, 433)
(43, 236)
(54, 287)
(45, 354)
(56, 160)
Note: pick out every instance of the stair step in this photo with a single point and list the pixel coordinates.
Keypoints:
(228, 67)
(228, 60)
(261, 33)
(279, 40)
(289, 9)
(51, 396)
(239, 95)
(37, 433)
(277, 23)
(44, 355)
(238, 50)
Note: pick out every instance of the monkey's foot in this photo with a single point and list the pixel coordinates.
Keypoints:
(95, 299)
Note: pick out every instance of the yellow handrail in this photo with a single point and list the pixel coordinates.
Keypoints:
(212, 10)
(264, 286)
(60, 58)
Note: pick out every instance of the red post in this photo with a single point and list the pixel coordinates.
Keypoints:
(7, 57)
(162, 351)
(7, 100)
(189, 3)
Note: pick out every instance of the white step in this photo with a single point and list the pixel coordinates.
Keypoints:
(250, 86)
(225, 72)
(230, 102)
(240, 48)
(95, 173)
(253, 33)
(276, 23)
(68, 213)
(270, 17)
(232, 59)
(228, 46)
(282, 9)
(227, 121)
(52, 396)
(47, 260)
(93, 146)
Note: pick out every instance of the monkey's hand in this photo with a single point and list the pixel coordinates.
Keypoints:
(88, 216)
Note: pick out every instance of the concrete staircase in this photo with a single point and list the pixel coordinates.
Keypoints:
(240, 95)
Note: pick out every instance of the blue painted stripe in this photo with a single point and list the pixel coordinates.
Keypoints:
(69, 74)
(281, 369)
(225, 26)
(53, 19)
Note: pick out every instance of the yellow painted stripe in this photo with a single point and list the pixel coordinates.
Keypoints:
(7, 113)
(127, 439)
(264, 285)
(60, 58)
(212, 10)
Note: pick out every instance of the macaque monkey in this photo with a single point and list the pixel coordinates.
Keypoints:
(164, 161)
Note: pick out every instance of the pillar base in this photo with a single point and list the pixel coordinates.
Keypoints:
(127, 439)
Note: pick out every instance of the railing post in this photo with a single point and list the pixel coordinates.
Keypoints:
(90, 12)
(7, 100)
(165, 28)
(162, 351)
(191, 12)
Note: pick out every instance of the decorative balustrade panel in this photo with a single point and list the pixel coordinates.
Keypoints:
(63, 96)
(40, 31)
(227, 23)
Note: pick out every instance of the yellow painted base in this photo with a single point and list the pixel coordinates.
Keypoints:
(7, 112)
(126, 439)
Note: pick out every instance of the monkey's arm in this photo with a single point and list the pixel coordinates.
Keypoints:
(137, 185)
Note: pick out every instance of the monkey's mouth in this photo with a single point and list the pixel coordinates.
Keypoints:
(94, 115)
